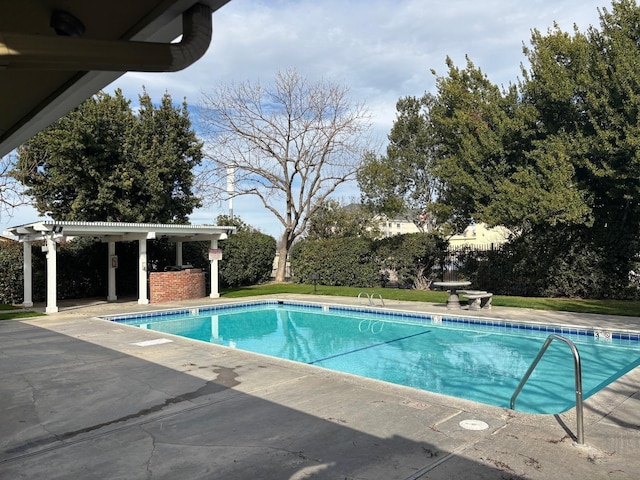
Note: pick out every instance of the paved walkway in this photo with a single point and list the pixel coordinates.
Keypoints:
(83, 398)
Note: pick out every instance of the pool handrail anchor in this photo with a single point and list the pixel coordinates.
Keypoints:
(578, 381)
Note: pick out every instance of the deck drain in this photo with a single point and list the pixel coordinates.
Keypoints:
(474, 425)
(157, 341)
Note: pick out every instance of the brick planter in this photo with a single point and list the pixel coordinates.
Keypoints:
(175, 286)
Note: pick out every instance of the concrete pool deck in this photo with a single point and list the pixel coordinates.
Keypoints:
(84, 398)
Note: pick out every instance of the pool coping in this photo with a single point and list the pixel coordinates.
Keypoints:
(623, 337)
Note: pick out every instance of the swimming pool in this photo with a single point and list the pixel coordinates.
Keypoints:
(477, 359)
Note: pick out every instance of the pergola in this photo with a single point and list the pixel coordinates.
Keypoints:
(52, 232)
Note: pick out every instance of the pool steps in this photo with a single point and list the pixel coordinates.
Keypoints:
(602, 335)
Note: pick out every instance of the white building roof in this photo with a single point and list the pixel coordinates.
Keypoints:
(118, 231)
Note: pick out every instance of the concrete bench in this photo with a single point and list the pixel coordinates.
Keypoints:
(478, 299)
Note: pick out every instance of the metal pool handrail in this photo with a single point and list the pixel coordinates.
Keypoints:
(371, 297)
(366, 295)
(578, 380)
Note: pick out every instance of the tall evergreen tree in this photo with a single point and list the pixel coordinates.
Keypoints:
(586, 88)
(402, 182)
(555, 155)
(105, 162)
(492, 160)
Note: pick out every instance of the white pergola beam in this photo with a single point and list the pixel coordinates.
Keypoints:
(197, 238)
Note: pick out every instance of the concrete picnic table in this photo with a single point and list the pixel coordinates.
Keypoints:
(453, 302)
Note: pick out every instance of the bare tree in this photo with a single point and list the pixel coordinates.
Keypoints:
(11, 190)
(290, 145)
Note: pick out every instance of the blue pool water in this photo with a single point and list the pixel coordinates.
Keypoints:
(480, 360)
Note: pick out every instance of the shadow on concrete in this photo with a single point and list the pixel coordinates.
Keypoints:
(74, 409)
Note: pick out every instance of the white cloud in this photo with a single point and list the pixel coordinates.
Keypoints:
(381, 49)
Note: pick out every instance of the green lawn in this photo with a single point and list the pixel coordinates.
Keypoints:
(9, 312)
(609, 307)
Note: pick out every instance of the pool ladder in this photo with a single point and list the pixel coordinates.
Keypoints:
(578, 381)
(370, 298)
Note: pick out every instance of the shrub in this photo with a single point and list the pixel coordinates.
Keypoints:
(409, 258)
(12, 278)
(12, 274)
(82, 269)
(544, 264)
(247, 258)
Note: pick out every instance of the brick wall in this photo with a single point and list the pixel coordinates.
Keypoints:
(173, 286)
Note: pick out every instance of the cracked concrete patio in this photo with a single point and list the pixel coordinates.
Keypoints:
(83, 398)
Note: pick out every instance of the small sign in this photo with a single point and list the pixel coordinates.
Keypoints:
(215, 254)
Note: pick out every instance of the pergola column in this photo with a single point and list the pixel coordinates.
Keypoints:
(214, 272)
(111, 269)
(143, 299)
(111, 232)
(27, 275)
(52, 290)
(178, 253)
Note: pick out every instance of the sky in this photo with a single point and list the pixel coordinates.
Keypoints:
(381, 50)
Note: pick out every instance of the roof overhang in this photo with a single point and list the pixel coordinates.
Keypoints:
(118, 231)
(43, 75)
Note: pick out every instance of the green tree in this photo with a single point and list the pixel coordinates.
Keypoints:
(247, 255)
(103, 161)
(586, 88)
(488, 163)
(336, 220)
(556, 154)
(237, 222)
(402, 183)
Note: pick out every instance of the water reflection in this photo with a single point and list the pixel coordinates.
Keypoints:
(468, 362)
